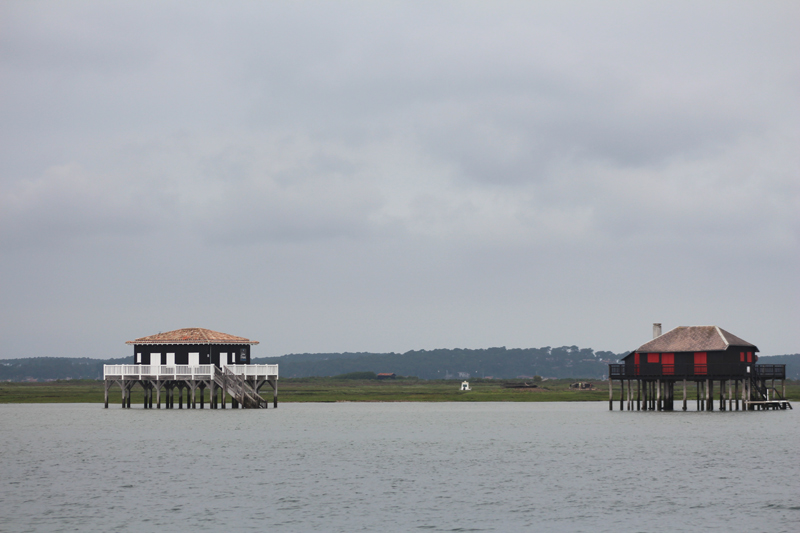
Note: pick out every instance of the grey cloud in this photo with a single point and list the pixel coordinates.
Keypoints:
(497, 170)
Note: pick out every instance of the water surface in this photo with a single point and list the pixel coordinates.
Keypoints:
(397, 467)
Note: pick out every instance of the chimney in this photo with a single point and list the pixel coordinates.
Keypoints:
(656, 329)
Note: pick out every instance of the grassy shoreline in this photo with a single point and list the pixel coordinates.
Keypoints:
(343, 390)
(327, 390)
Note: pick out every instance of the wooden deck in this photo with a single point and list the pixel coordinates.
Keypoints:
(176, 372)
(241, 383)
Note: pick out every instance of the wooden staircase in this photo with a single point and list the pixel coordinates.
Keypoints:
(239, 389)
(766, 397)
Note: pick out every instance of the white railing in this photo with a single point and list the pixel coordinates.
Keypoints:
(184, 371)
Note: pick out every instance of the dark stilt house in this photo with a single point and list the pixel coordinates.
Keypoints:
(192, 360)
(705, 356)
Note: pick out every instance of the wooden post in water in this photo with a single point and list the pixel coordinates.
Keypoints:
(610, 394)
(105, 395)
(722, 395)
(697, 391)
(630, 395)
(736, 393)
(709, 395)
(671, 395)
(621, 393)
(730, 395)
(275, 392)
(745, 384)
(638, 394)
(684, 394)
(651, 391)
(658, 395)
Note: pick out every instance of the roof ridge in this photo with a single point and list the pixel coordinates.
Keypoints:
(724, 339)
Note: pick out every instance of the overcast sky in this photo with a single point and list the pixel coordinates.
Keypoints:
(388, 176)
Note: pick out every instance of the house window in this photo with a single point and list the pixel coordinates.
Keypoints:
(139, 358)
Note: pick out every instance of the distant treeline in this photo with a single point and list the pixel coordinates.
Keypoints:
(498, 363)
(52, 368)
(563, 362)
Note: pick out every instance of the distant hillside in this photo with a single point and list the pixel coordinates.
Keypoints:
(51, 368)
(563, 362)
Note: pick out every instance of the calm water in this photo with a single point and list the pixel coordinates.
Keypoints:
(397, 467)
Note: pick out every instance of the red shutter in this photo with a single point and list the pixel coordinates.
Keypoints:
(652, 358)
(741, 357)
(749, 357)
(700, 363)
(668, 363)
(636, 363)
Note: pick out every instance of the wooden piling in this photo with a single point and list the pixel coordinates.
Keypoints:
(697, 394)
(610, 394)
(684, 394)
(638, 394)
(730, 395)
(658, 395)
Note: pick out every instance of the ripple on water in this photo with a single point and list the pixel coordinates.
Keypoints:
(368, 467)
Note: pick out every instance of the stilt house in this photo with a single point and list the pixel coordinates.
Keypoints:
(703, 355)
(195, 360)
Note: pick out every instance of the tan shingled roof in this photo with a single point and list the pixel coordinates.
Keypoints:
(694, 339)
(192, 336)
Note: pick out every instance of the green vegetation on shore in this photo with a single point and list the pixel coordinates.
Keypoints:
(351, 390)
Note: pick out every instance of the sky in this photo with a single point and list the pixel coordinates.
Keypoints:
(393, 176)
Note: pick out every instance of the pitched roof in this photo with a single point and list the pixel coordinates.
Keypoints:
(694, 339)
(192, 336)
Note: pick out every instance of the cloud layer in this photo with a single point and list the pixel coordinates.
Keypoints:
(331, 177)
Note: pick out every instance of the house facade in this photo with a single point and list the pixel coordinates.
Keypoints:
(193, 347)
